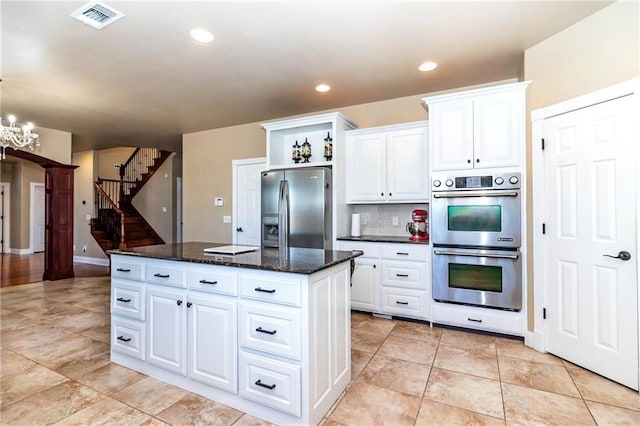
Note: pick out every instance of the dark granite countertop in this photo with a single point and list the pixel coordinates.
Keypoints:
(295, 260)
(383, 239)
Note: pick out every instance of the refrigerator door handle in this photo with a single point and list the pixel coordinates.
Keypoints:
(283, 215)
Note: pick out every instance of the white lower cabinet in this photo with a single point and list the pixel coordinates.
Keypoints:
(274, 345)
(391, 278)
(495, 320)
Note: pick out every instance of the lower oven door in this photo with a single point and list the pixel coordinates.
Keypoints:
(483, 277)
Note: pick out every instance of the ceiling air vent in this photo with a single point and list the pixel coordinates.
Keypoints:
(96, 14)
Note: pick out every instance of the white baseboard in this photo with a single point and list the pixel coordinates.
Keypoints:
(21, 251)
(534, 340)
(91, 260)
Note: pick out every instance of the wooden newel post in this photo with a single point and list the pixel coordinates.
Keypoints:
(58, 239)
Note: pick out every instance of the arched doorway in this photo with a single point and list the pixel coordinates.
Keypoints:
(58, 241)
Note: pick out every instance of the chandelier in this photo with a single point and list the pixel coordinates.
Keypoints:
(12, 136)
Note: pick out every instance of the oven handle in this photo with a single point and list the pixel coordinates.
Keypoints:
(472, 194)
(457, 253)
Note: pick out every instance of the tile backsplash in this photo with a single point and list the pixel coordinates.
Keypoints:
(378, 219)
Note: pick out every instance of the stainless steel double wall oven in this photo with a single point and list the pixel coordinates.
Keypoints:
(476, 232)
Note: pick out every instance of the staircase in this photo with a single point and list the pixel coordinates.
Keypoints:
(116, 223)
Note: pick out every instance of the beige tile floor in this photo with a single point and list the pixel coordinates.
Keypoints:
(54, 351)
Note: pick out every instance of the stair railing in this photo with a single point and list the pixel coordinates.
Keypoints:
(137, 164)
(115, 189)
(108, 213)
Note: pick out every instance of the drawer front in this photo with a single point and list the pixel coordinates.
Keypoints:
(478, 318)
(122, 267)
(213, 280)
(405, 252)
(371, 250)
(272, 329)
(276, 290)
(127, 299)
(128, 337)
(403, 302)
(161, 273)
(270, 382)
(404, 274)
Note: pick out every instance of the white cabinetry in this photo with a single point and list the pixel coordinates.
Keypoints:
(272, 344)
(481, 128)
(282, 135)
(388, 164)
(391, 278)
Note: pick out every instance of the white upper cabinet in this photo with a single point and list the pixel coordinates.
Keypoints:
(388, 164)
(315, 130)
(481, 128)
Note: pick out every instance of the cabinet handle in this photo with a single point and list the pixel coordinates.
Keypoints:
(402, 275)
(477, 160)
(179, 302)
(189, 304)
(382, 194)
(208, 282)
(402, 254)
(374, 266)
(390, 194)
(468, 161)
(120, 299)
(474, 320)
(270, 387)
(161, 276)
(262, 290)
(123, 270)
(262, 330)
(401, 303)
(124, 339)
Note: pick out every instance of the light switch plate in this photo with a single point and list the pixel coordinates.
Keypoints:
(226, 219)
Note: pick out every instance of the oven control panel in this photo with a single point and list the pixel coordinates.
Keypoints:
(447, 182)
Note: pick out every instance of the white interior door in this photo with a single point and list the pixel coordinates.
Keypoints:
(246, 206)
(37, 214)
(591, 299)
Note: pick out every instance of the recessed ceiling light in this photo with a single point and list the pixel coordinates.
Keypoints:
(427, 66)
(201, 35)
(323, 88)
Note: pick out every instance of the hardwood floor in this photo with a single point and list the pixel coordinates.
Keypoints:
(18, 269)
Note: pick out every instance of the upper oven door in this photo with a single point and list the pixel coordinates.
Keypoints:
(487, 218)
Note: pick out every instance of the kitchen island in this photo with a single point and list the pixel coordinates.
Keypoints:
(266, 332)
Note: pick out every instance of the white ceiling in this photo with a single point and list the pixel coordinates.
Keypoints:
(142, 81)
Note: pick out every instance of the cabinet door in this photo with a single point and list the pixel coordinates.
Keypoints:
(365, 167)
(212, 343)
(166, 317)
(498, 121)
(407, 165)
(451, 134)
(364, 285)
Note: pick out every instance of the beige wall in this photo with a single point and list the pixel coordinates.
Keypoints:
(156, 196)
(83, 201)
(54, 144)
(108, 157)
(599, 51)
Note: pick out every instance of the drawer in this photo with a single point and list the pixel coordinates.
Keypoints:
(270, 382)
(478, 318)
(272, 329)
(404, 274)
(128, 337)
(166, 274)
(122, 267)
(271, 289)
(213, 280)
(404, 302)
(369, 249)
(405, 252)
(127, 299)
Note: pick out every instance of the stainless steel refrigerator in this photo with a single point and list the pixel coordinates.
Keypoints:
(296, 208)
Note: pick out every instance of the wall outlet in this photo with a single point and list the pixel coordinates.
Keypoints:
(218, 202)
(88, 217)
(164, 210)
(226, 219)
(84, 249)
(394, 220)
(117, 166)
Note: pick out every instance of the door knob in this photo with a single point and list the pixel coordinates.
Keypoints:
(239, 229)
(623, 255)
